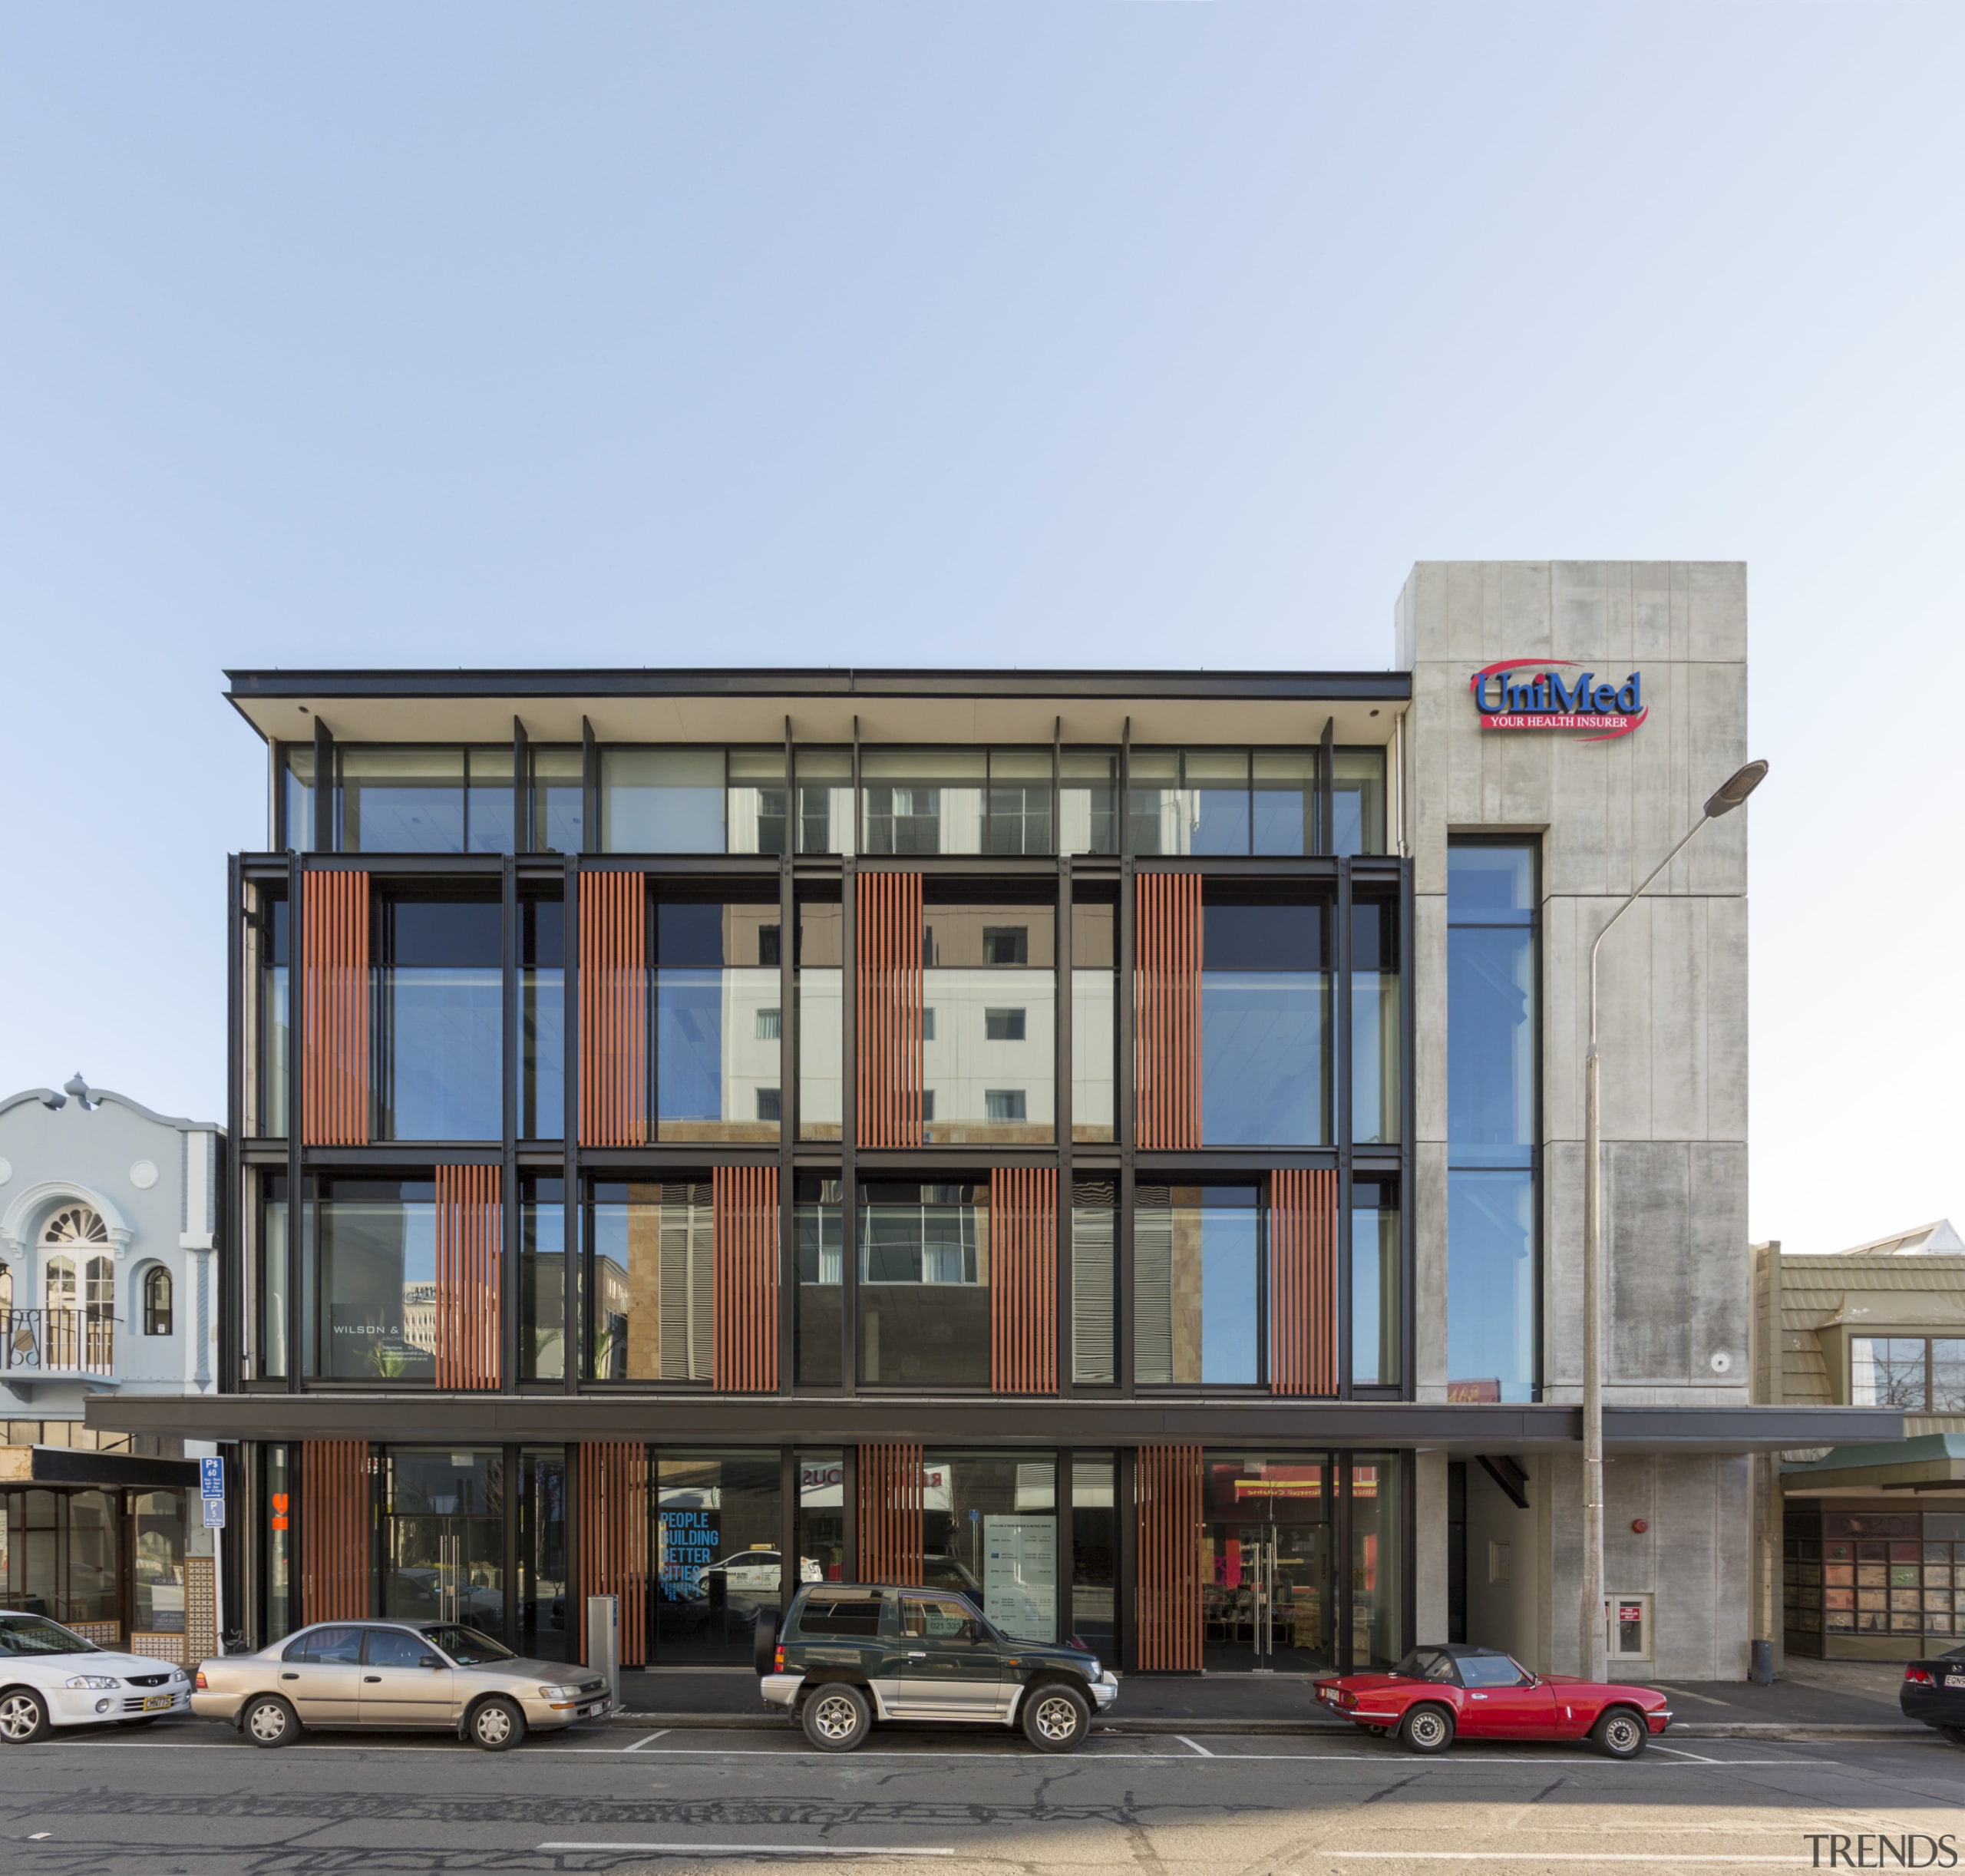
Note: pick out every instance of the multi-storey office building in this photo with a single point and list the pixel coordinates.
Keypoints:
(1109, 1141)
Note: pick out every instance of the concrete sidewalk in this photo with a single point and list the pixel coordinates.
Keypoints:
(1243, 1703)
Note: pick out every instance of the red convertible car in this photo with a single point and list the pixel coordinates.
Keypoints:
(1441, 1692)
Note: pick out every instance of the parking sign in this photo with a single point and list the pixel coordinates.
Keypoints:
(211, 1478)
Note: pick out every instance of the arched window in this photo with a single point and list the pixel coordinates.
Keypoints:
(156, 1301)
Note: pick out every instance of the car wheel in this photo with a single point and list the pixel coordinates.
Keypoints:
(1056, 1719)
(837, 1717)
(269, 1721)
(496, 1725)
(1621, 1733)
(23, 1716)
(1955, 1734)
(1427, 1729)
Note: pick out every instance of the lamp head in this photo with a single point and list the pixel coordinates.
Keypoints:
(1736, 789)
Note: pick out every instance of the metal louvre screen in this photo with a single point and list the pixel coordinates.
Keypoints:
(746, 1278)
(613, 989)
(334, 1086)
(613, 1537)
(888, 939)
(469, 1240)
(1023, 1280)
(334, 1529)
(890, 1509)
(1167, 1010)
(1166, 1497)
(1302, 1304)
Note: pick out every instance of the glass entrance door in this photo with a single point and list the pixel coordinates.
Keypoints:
(1267, 1582)
(445, 1554)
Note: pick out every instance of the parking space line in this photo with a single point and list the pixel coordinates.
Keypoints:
(639, 1743)
(1185, 1741)
(1678, 1751)
(745, 1850)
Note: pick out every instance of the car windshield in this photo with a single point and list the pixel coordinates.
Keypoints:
(1428, 1664)
(1490, 1670)
(37, 1635)
(466, 1647)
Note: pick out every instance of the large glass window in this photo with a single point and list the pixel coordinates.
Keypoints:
(559, 800)
(819, 1039)
(1095, 1018)
(1376, 1313)
(653, 1280)
(1095, 1552)
(825, 800)
(1019, 804)
(444, 1537)
(542, 1018)
(1088, 797)
(822, 1517)
(989, 1048)
(989, 1530)
(1375, 1052)
(1357, 800)
(544, 1629)
(1095, 1282)
(755, 797)
(1493, 1278)
(1265, 1024)
(717, 1533)
(1197, 1285)
(1268, 1595)
(370, 1294)
(1223, 801)
(273, 1286)
(296, 784)
(439, 996)
(542, 1279)
(1378, 1579)
(157, 1535)
(396, 800)
(924, 1284)
(717, 994)
(62, 1555)
(272, 979)
(818, 1227)
(662, 801)
(923, 801)
(1925, 1374)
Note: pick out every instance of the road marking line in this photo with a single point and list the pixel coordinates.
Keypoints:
(747, 1850)
(636, 1748)
(1185, 1741)
(1706, 1700)
(1680, 1753)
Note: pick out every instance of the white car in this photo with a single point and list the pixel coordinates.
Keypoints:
(49, 1676)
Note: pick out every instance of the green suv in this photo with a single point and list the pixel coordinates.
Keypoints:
(850, 1655)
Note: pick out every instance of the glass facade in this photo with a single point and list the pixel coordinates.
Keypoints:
(924, 1284)
(716, 1010)
(1095, 1020)
(368, 1295)
(394, 799)
(989, 1037)
(542, 1279)
(1376, 1025)
(437, 995)
(652, 1277)
(1377, 1313)
(1198, 1312)
(717, 1554)
(1265, 1024)
(1494, 1274)
(542, 989)
(1095, 1282)
(818, 1226)
(1869, 1582)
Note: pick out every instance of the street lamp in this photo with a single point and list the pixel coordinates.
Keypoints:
(1729, 794)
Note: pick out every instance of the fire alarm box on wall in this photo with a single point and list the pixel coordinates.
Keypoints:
(1627, 1621)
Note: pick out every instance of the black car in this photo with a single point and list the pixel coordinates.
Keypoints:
(1933, 1692)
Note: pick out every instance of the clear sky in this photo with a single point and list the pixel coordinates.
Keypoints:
(1074, 331)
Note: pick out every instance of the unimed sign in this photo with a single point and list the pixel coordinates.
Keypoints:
(1532, 693)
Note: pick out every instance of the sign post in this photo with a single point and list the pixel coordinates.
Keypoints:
(211, 1490)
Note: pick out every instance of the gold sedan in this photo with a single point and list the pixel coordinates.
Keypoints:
(437, 1676)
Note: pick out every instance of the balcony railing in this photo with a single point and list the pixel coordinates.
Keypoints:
(59, 1342)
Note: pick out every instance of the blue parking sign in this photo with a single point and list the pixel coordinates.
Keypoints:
(211, 1478)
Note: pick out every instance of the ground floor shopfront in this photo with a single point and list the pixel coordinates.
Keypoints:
(1172, 1558)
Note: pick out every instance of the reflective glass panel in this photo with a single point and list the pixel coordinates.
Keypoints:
(1490, 1284)
(822, 1517)
(399, 801)
(1375, 1052)
(546, 1632)
(273, 1277)
(1019, 819)
(1285, 801)
(1088, 793)
(1096, 1554)
(1217, 788)
(923, 801)
(717, 994)
(1094, 1020)
(818, 1230)
(488, 802)
(559, 801)
(1095, 1282)
(652, 1265)
(662, 801)
(718, 1561)
(270, 1060)
(990, 1059)
(541, 1279)
(1376, 1311)
(756, 798)
(297, 834)
(541, 1019)
(1378, 1641)
(438, 1013)
(1357, 800)
(1196, 1285)
(820, 1034)
(924, 1284)
(825, 800)
(372, 1280)
(1265, 1026)
(989, 1532)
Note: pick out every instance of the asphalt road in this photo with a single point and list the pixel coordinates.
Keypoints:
(188, 1799)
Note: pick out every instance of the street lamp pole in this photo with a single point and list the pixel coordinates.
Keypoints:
(1596, 1639)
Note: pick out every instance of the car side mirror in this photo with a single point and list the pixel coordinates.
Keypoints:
(430, 1660)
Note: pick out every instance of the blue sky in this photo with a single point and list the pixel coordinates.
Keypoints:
(1031, 333)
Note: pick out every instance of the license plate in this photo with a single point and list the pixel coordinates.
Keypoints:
(1954, 1680)
(157, 1702)
(588, 1712)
